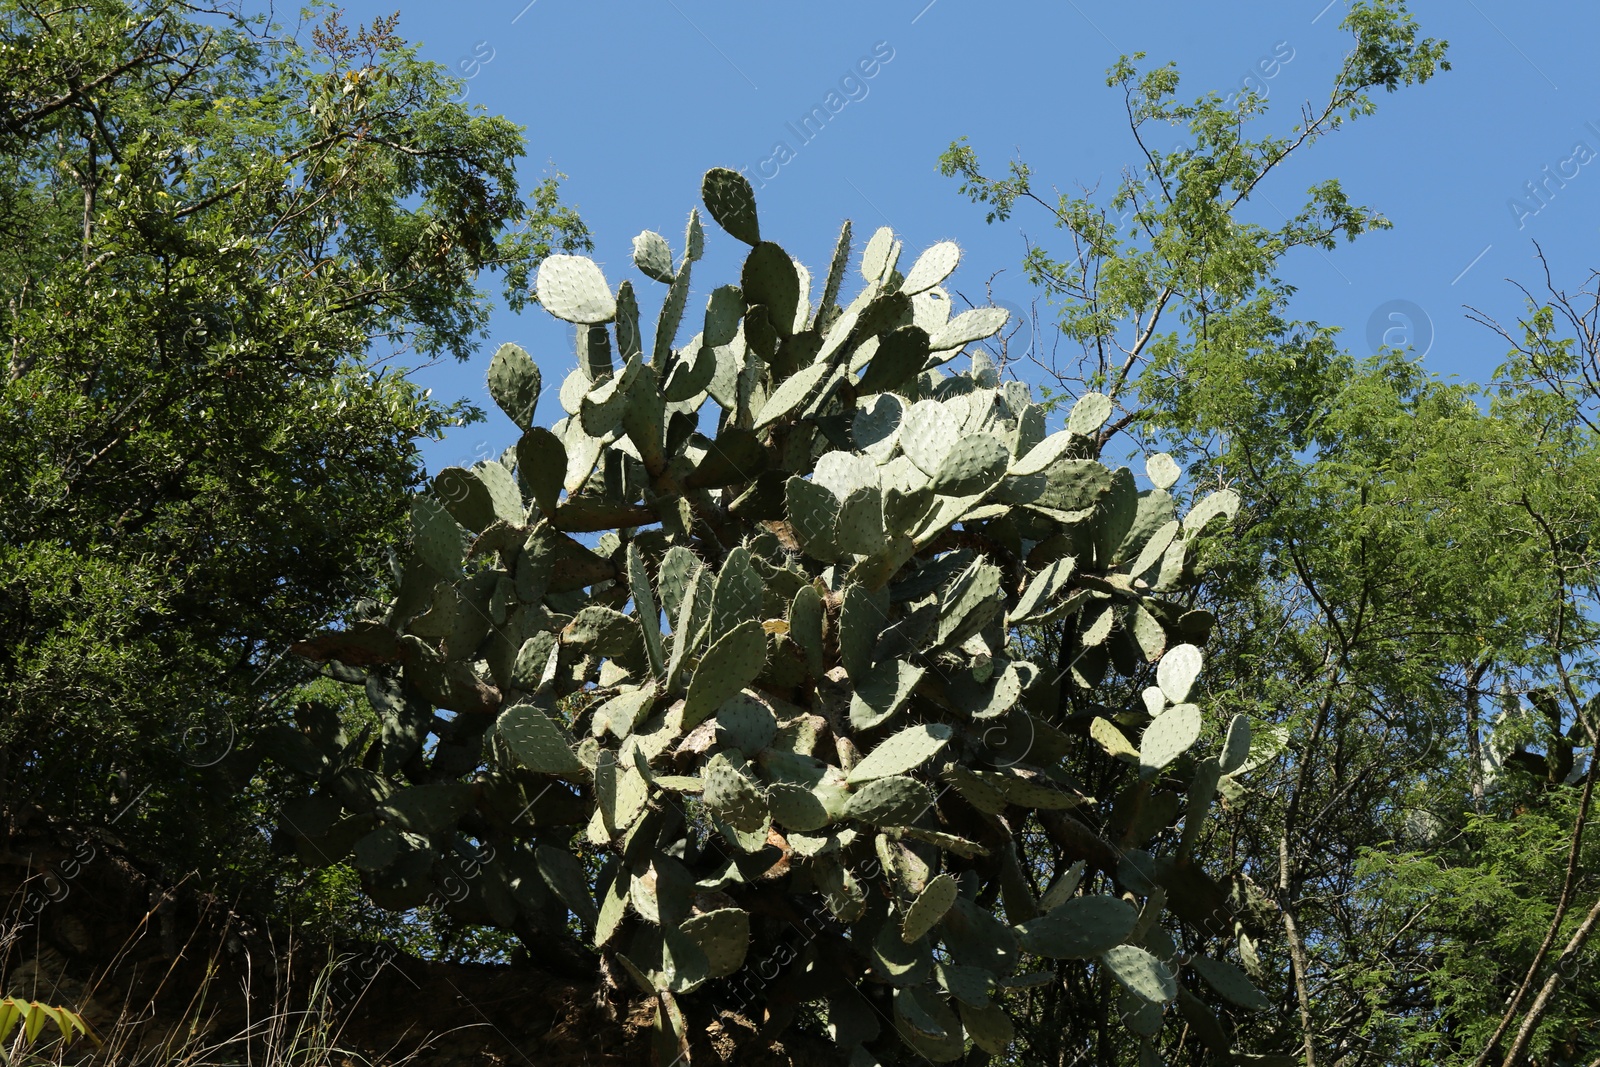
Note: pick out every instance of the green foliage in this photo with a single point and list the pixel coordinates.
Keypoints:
(797, 624)
(1172, 285)
(1406, 547)
(33, 1017)
(1463, 919)
(215, 239)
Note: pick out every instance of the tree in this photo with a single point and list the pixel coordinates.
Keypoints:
(218, 242)
(814, 751)
(1501, 968)
(1406, 548)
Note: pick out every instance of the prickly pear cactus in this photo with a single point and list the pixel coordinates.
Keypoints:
(777, 711)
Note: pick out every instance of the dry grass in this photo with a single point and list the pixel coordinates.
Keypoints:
(296, 1029)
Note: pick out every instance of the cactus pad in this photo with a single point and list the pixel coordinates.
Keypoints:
(797, 808)
(932, 267)
(876, 425)
(899, 356)
(859, 526)
(1062, 889)
(905, 751)
(439, 540)
(898, 962)
(737, 594)
(1089, 414)
(969, 326)
(813, 512)
(990, 1027)
(840, 889)
(771, 280)
(1236, 746)
(1141, 974)
(537, 742)
(1162, 470)
(929, 907)
(889, 801)
(972, 465)
(1168, 736)
(881, 692)
(1043, 592)
(653, 256)
(1177, 672)
(792, 394)
(541, 466)
(842, 473)
(1230, 981)
(723, 935)
(623, 712)
(573, 288)
(671, 317)
(532, 665)
(1079, 928)
(927, 434)
(1113, 740)
(731, 794)
(1154, 549)
(928, 1025)
(514, 383)
(469, 498)
(875, 257)
(1223, 504)
(805, 627)
(732, 662)
(731, 203)
(746, 723)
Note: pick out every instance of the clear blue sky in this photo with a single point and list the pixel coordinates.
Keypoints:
(634, 101)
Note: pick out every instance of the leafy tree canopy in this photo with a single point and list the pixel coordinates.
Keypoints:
(217, 245)
(1408, 548)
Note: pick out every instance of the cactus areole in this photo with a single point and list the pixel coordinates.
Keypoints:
(778, 709)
